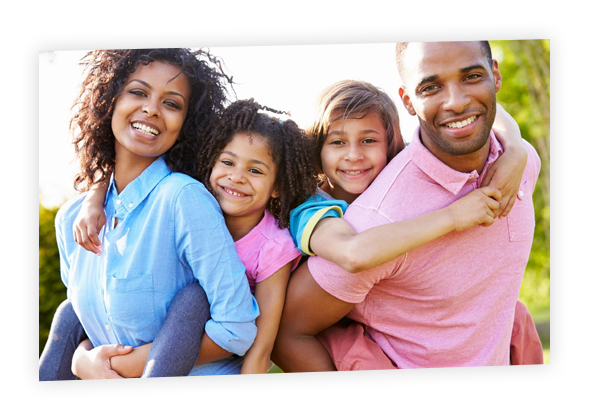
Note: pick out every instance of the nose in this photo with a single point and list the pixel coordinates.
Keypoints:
(236, 175)
(456, 99)
(354, 153)
(151, 108)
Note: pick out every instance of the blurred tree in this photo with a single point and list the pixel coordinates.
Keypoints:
(51, 289)
(525, 94)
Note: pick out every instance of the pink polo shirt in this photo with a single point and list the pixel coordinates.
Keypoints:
(265, 250)
(450, 302)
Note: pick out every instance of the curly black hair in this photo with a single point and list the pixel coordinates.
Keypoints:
(289, 147)
(106, 74)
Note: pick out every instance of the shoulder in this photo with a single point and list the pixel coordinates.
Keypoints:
(396, 174)
(69, 210)
(533, 164)
(186, 192)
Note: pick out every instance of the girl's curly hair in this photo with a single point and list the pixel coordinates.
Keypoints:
(289, 147)
(106, 74)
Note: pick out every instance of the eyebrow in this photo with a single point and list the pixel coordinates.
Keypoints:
(150, 87)
(339, 132)
(250, 161)
(434, 77)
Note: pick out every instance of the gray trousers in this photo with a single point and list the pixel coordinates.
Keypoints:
(173, 353)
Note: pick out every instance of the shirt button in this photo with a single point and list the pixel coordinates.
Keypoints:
(107, 326)
(131, 205)
(118, 202)
(520, 194)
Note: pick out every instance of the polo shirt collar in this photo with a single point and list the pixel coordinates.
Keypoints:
(450, 179)
(138, 189)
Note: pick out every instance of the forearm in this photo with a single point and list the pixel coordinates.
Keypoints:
(295, 352)
(132, 364)
(372, 247)
(256, 361)
(308, 310)
(210, 351)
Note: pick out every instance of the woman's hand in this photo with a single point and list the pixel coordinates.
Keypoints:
(95, 363)
(475, 208)
(90, 219)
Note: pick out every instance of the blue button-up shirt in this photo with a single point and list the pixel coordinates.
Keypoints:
(170, 232)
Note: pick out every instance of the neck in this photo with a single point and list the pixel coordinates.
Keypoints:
(239, 226)
(465, 163)
(338, 192)
(126, 170)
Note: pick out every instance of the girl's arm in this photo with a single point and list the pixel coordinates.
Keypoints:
(335, 240)
(506, 173)
(91, 218)
(270, 294)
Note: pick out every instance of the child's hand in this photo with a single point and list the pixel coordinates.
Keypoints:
(87, 226)
(475, 208)
(506, 173)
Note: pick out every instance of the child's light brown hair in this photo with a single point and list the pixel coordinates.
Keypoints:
(352, 99)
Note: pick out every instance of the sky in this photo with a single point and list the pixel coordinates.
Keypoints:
(286, 78)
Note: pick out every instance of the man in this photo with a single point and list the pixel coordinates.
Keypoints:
(452, 301)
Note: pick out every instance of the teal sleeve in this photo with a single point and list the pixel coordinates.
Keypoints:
(305, 217)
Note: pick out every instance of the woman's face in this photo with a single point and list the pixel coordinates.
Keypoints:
(149, 114)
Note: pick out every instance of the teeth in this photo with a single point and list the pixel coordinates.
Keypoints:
(457, 125)
(145, 129)
(348, 172)
(234, 193)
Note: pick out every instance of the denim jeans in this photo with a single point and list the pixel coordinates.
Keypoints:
(173, 353)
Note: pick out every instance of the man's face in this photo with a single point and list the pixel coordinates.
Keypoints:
(451, 88)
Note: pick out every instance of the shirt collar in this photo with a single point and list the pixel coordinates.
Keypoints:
(450, 179)
(138, 189)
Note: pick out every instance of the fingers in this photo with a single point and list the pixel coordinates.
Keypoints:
(87, 237)
(508, 207)
(116, 349)
(492, 192)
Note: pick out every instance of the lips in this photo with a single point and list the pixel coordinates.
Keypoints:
(354, 173)
(233, 192)
(460, 124)
(148, 130)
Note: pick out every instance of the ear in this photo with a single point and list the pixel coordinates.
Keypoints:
(406, 101)
(275, 193)
(496, 75)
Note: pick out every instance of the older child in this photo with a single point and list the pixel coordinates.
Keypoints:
(140, 114)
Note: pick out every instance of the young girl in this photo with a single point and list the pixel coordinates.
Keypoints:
(259, 169)
(356, 134)
(140, 113)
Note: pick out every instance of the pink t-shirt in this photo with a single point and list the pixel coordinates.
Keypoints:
(266, 249)
(450, 302)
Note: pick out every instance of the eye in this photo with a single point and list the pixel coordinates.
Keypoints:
(474, 76)
(227, 162)
(172, 104)
(369, 140)
(139, 93)
(429, 89)
(255, 171)
(336, 143)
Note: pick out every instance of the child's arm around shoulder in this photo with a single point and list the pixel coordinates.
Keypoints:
(91, 218)
(506, 173)
(335, 240)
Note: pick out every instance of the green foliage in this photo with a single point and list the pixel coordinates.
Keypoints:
(525, 94)
(51, 289)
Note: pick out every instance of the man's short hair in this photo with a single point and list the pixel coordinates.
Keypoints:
(401, 48)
